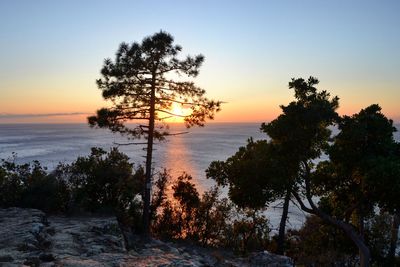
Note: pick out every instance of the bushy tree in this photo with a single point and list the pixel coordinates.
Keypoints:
(100, 178)
(361, 173)
(265, 171)
(142, 83)
(252, 174)
(256, 178)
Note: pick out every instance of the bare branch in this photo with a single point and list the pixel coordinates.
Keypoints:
(182, 102)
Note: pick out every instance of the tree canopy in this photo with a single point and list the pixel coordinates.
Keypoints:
(360, 174)
(268, 170)
(146, 78)
(142, 83)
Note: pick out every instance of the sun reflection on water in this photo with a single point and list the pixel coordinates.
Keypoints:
(178, 160)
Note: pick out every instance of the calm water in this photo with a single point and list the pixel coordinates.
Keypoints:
(192, 152)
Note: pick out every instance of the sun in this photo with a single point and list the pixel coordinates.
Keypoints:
(180, 111)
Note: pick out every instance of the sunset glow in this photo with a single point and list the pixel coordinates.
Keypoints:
(200, 133)
(178, 113)
(251, 53)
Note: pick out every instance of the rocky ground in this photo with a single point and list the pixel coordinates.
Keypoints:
(29, 238)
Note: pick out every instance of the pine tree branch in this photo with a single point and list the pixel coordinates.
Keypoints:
(171, 69)
(171, 113)
(164, 118)
(182, 102)
(130, 118)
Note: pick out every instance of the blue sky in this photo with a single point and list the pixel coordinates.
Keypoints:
(51, 51)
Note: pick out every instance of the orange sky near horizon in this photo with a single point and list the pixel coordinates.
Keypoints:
(54, 104)
(229, 114)
(50, 63)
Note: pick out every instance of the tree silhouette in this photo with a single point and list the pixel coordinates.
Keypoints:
(265, 171)
(142, 84)
(256, 177)
(362, 173)
(302, 133)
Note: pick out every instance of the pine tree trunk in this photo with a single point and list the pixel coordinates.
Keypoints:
(282, 225)
(394, 237)
(149, 156)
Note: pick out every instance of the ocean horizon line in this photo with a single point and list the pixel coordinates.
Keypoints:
(172, 123)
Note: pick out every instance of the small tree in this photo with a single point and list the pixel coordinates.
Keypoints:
(143, 83)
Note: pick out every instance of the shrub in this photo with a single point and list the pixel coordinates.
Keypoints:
(11, 185)
(249, 232)
(320, 244)
(30, 186)
(106, 183)
(207, 220)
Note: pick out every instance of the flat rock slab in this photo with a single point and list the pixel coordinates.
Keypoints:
(22, 235)
(29, 238)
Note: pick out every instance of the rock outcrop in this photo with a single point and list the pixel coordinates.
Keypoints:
(23, 237)
(28, 237)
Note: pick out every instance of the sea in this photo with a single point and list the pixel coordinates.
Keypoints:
(190, 150)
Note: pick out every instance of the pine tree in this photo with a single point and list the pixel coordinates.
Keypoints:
(143, 83)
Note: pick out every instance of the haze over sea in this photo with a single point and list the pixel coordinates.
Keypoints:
(192, 152)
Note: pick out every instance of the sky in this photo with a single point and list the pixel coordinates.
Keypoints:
(51, 52)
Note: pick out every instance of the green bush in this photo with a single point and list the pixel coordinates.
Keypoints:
(250, 232)
(11, 185)
(101, 182)
(106, 183)
(30, 186)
